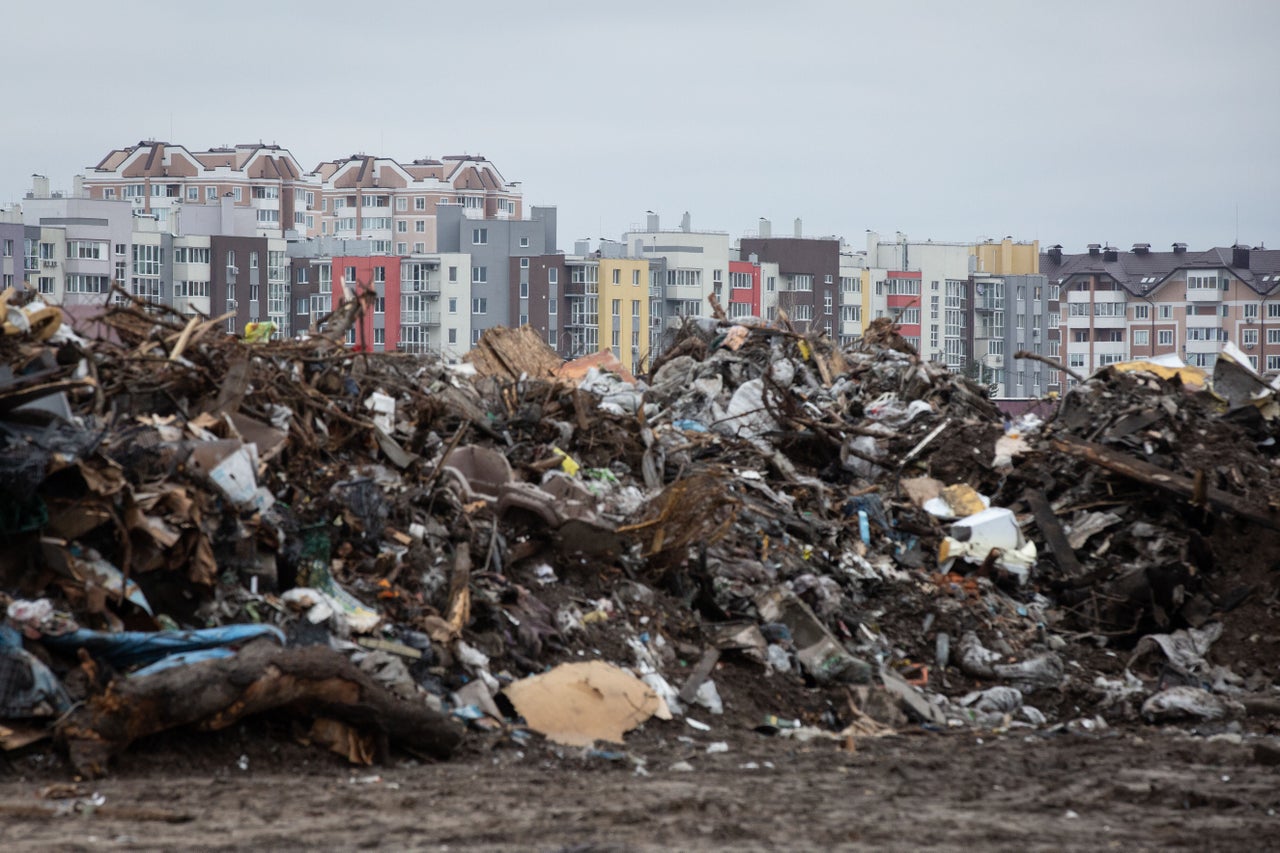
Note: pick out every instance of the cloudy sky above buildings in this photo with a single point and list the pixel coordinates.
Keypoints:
(1070, 123)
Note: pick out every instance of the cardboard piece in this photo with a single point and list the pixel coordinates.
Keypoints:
(577, 704)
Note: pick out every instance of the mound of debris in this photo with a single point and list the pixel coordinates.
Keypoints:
(767, 529)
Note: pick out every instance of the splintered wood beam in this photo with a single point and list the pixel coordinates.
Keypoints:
(1264, 514)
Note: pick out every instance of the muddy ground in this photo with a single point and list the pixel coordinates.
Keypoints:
(252, 788)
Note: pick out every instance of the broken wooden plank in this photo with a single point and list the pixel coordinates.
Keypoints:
(700, 673)
(1054, 535)
(1157, 477)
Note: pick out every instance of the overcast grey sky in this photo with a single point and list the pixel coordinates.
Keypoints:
(1070, 122)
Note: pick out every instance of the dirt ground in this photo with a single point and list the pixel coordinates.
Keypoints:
(251, 788)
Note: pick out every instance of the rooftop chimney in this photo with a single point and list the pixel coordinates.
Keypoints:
(1095, 248)
(1055, 254)
(1142, 248)
(652, 222)
(1110, 253)
(1179, 248)
(766, 227)
(39, 186)
(1240, 256)
(686, 224)
(799, 228)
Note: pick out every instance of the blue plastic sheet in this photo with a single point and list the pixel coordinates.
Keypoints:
(27, 687)
(131, 648)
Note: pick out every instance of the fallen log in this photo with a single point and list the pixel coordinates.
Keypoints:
(314, 681)
(1193, 490)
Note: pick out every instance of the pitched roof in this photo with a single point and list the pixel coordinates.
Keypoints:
(1142, 272)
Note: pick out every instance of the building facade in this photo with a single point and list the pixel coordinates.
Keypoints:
(1142, 304)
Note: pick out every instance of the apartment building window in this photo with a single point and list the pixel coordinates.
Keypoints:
(193, 193)
(479, 236)
(402, 203)
(1249, 337)
(480, 305)
(908, 317)
(524, 242)
(1249, 311)
(419, 203)
(453, 305)
(453, 273)
(268, 217)
(553, 339)
(109, 193)
(1166, 312)
(635, 278)
(524, 290)
(46, 283)
(8, 248)
(850, 284)
(375, 223)
(237, 194)
(802, 282)
(147, 260)
(771, 284)
(553, 276)
(380, 305)
(1203, 282)
(76, 283)
(524, 263)
(402, 248)
(617, 276)
(475, 336)
(85, 250)
(1273, 310)
(1273, 336)
(379, 275)
(420, 226)
(253, 293)
(803, 312)
(1142, 312)
(479, 275)
(380, 336)
(1164, 337)
(1273, 362)
(552, 308)
(402, 226)
(1075, 359)
(826, 279)
(827, 304)
(1141, 337)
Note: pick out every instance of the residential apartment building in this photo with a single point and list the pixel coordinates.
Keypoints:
(1007, 314)
(685, 267)
(603, 303)
(418, 304)
(12, 246)
(808, 273)
(396, 204)
(491, 244)
(362, 196)
(160, 179)
(1140, 304)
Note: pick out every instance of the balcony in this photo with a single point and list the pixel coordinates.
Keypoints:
(1204, 294)
(1199, 347)
(1204, 321)
(988, 303)
(1112, 322)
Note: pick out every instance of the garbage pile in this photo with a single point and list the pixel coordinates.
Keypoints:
(767, 532)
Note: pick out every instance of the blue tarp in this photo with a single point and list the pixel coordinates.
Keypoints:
(130, 648)
(27, 687)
